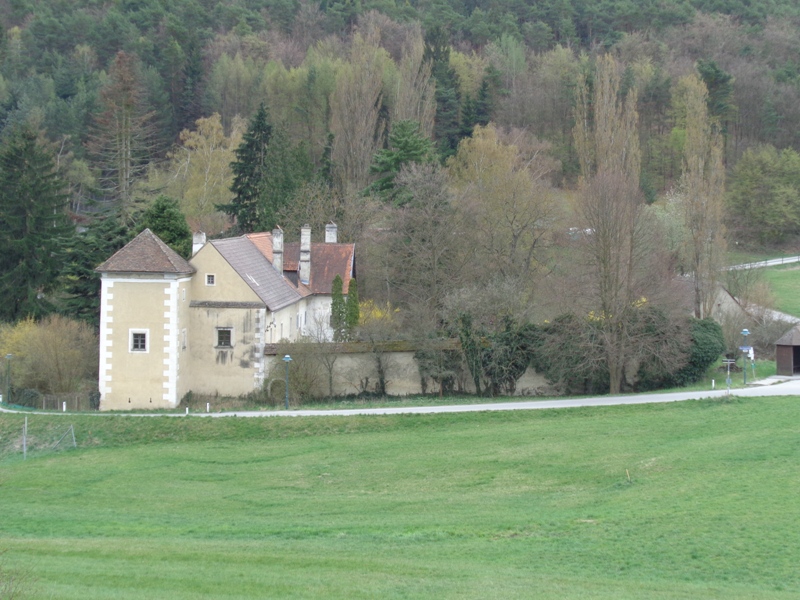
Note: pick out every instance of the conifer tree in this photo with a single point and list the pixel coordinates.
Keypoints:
(267, 172)
(249, 172)
(34, 227)
(122, 139)
(406, 145)
(338, 310)
(103, 237)
(352, 310)
(164, 218)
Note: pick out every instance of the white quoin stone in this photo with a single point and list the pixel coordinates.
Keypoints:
(305, 253)
(331, 233)
(277, 249)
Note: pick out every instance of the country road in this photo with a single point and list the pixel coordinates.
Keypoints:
(782, 387)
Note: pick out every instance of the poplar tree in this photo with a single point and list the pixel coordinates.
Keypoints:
(702, 194)
(621, 270)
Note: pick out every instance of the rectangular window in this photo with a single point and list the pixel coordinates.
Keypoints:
(138, 341)
(183, 339)
(224, 337)
(211, 279)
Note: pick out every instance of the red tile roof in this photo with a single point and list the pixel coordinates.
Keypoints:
(327, 261)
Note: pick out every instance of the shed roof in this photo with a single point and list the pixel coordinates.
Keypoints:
(790, 338)
(146, 253)
(251, 265)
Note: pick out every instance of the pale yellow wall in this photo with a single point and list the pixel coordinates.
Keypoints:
(183, 333)
(229, 287)
(135, 379)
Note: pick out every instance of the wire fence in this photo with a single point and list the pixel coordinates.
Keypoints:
(69, 402)
(36, 437)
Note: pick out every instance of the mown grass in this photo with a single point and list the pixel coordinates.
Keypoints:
(785, 285)
(694, 500)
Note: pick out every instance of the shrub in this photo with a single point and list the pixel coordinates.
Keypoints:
(56, 355)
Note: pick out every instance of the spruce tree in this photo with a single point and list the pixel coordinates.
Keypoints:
(250, 172)
(34, 228)
(267, 173)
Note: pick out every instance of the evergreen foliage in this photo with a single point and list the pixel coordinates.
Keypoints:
(250, 173)
(338, 310)
(34, 228)
(103, 237)
(267, 172)
(164, 218)
(406, 145)
(352, 309)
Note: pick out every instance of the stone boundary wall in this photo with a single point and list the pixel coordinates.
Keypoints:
(355, 368)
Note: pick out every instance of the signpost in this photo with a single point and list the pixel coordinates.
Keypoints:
(745, 353)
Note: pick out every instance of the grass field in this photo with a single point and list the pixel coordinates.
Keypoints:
(785, 285)
(691, 500)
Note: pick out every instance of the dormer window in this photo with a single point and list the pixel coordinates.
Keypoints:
(211, 279)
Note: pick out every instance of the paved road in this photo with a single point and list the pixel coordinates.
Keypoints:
(785, 260)
(783, 388)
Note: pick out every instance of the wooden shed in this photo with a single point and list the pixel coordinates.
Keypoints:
(787, 353)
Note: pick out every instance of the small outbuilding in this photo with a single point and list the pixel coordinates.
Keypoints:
(787, 353)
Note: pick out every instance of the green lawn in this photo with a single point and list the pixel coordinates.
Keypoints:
(689, 500)
(785, 285)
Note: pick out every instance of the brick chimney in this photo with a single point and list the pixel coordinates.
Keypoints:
(331, 233)
(277, 250)
(305, 254)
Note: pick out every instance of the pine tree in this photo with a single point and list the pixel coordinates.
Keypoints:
(34, 228)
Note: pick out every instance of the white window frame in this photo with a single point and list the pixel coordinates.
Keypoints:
(146, 333)
(216, 341)
(211, 279)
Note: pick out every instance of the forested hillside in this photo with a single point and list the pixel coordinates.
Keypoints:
(461, 145)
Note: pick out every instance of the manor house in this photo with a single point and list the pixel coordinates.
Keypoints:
(169, 326)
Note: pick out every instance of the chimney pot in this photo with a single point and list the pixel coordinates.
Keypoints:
(305, 254)
(198, 241)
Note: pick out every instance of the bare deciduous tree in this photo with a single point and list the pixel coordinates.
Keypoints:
(623, 273)
(702, 194)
